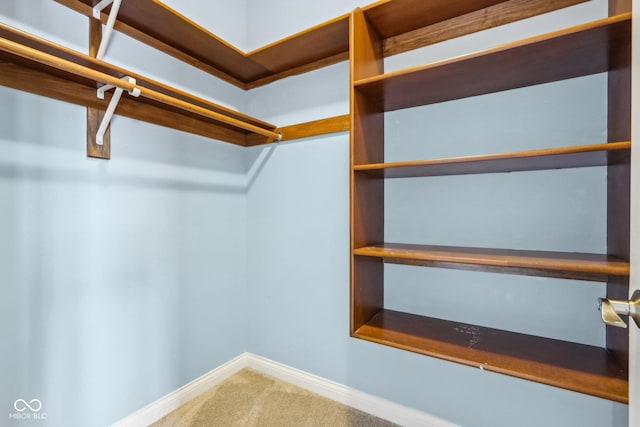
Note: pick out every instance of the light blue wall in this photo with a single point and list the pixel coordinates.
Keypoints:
(121, 280)
(299, 246)
(126, 279)
(561, 210)
(226, 19)
(268, 21)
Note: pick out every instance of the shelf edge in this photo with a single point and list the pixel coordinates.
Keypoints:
(499, 259)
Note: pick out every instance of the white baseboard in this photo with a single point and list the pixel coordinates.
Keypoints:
(373, 405)
(167, 404)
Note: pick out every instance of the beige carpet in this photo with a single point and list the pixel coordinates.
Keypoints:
(251, 399)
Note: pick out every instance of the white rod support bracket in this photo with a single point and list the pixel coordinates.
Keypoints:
(97, 9)
(104, 124)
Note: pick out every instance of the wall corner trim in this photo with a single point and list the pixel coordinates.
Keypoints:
(374, 405)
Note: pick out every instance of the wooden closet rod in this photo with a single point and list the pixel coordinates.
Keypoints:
(86, 72)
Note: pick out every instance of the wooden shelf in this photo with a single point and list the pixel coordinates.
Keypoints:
(551, 158)
(316, 47)
(391, 18)
(156, 24)
(409, 24)
(579, 51)
(583, 266)
(36, 65)
(576, 367)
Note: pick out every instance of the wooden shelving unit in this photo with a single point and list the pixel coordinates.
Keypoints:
(156, 24)
(35, 65)
(390, 27)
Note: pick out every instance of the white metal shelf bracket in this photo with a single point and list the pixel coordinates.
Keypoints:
(104, 124)
(97, 9)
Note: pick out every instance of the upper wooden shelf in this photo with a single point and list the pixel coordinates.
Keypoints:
(577, 367)
(405, 25)
(578, 51)
(392, 18)
(583, 266)
(551, 158)
(154, 23)
(36, 65)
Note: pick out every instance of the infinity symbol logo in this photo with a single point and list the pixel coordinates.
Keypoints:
(21, 405)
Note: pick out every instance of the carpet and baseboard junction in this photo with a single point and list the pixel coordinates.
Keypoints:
(251, 391)
(250, 398)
